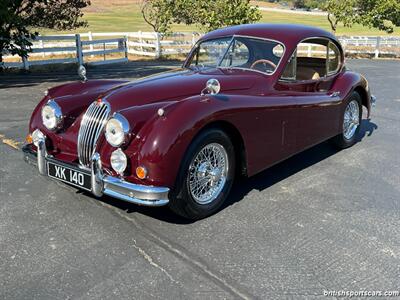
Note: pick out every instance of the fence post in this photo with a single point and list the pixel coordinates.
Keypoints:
(344, 45)
(158, 45)
(79, 54)
(378, 44)
(193, 39)
(41, 45)
(90, 36)
(25, 62)
(126, 46)
(140, 40)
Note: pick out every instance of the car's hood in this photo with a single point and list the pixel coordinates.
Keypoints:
(173, 85)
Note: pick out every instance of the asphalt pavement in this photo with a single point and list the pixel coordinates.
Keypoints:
(322, 220)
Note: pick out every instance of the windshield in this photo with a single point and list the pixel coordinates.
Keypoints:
(238, 52)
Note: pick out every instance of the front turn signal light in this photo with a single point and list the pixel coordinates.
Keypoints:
(141, 172)
(29, 139)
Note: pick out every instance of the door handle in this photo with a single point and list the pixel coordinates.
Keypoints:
(335, 94)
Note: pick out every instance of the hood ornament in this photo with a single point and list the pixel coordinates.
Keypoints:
(213, 87)
(82, 73)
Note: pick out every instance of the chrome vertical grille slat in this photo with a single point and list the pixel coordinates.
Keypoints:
(91, 132)
(92, 124)
(84, 129)
(99, 123)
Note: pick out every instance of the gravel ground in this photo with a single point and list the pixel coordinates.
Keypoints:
(322, 220)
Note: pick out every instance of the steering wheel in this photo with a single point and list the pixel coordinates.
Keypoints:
(263, 61)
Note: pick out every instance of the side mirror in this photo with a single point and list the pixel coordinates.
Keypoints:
(213, 87)
(82, 73)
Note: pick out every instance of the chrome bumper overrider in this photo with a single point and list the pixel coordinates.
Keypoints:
(373, 100)
(103, 184)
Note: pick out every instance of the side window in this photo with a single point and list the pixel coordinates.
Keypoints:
(237, 56)
(289, 74)
(209, 53)
(312, 60)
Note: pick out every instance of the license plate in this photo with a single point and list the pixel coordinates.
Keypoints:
(69, 175)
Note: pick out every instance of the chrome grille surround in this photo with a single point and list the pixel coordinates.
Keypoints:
(92, 124)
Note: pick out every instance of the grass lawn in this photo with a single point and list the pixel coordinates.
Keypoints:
(123, 16)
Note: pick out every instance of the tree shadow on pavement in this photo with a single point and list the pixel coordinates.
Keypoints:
(260, 182)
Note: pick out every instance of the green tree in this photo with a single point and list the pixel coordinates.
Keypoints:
(381, 14)
(208, 14)
(340, 11)
(220, 13)
(19, 17)
(299, 4)
(158, 14)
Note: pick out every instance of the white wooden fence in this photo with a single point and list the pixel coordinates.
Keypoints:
(113, 47)
(371, 45)
(102, 47)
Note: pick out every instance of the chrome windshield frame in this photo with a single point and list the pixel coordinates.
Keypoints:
(233, 37)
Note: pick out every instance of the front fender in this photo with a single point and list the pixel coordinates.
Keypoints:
(163, 142)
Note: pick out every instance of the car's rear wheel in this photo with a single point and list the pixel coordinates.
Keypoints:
(206, 175)
(351, 122)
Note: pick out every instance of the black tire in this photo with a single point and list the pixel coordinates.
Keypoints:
(340, 141)
(182, 202)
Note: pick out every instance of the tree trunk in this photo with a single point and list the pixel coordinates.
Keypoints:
(1, 60)
(332, 22)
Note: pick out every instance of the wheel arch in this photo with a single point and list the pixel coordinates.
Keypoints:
(237, 141)
(365, 98)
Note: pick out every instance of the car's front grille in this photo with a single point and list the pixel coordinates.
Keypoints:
(92, 124)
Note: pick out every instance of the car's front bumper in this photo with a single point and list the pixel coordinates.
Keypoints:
(102, 184)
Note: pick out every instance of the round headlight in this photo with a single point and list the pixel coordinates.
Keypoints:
(51, 115)
(117, 130)
(118, 161)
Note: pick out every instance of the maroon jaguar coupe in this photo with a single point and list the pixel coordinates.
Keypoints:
(247, 97)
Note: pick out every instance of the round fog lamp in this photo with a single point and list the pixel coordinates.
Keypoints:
(118, 161)
(36, 136)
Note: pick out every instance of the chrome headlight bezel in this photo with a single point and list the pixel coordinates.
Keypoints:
(117, 130)
(55, 121)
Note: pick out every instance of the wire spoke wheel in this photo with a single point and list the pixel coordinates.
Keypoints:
(351, 120)
(208, 173)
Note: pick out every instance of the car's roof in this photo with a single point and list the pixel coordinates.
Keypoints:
(285, 33)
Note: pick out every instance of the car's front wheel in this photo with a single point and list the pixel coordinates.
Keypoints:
(206, 175)
(352, 116)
